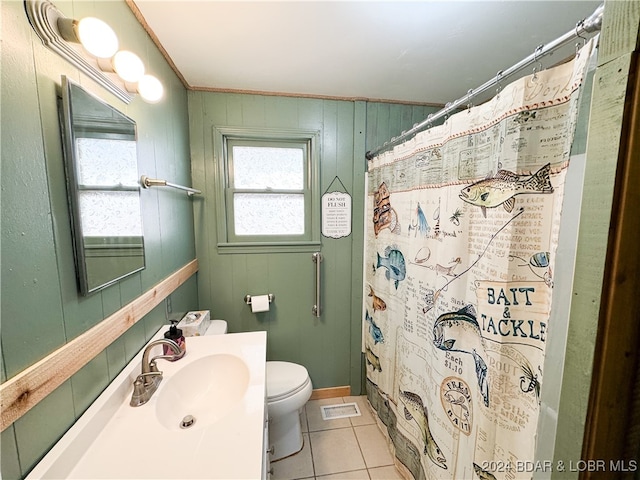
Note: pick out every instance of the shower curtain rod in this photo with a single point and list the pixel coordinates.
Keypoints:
(592, 23)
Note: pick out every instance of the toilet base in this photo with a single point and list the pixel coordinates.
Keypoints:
(285, 435)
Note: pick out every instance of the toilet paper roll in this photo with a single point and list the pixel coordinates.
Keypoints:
(259, 303)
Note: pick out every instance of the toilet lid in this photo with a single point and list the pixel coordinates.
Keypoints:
(285, 378)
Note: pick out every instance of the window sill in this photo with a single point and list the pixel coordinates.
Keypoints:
(269, 247)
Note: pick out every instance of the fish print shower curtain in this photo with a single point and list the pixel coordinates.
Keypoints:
(462, 228)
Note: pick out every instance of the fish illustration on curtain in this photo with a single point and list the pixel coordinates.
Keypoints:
(502, 188)
(374, 330)
(455, 351)
(372, 359)
(459, 332)
(378, 303)
(383, 215)
(482, 473)
(393, 261)
(416, 411)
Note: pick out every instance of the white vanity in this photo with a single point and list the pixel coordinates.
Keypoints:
(219, 383)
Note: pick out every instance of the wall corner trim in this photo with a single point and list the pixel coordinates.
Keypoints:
(23, 391)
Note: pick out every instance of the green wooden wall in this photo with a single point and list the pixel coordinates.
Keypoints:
(41, 307)
(620, 36)
(329, 347)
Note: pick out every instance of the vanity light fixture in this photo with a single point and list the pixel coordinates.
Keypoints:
(127, 65)
(92, 46)
(96, 36)
(150, 89)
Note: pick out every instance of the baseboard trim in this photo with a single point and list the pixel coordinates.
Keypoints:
(331, 392)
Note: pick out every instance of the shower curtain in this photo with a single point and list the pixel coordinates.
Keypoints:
(462, 229)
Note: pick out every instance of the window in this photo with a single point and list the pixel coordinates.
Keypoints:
(270, 190)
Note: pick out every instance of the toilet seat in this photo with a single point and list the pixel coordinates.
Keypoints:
(285, 379)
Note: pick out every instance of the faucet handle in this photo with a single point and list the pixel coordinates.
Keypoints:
(144, 386)
(138, 391)
(153, 367)
(147, 378)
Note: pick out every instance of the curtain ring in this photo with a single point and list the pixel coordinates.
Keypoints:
(498, 79)
(469, 104)
(580, 25)
(535, 59)
(447, 107)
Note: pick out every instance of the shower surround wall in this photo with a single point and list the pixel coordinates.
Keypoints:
(41, 306)
(463, 223)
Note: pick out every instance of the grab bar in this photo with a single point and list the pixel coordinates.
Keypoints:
(317, 258)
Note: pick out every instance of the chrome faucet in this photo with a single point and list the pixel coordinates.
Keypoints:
(148, 381)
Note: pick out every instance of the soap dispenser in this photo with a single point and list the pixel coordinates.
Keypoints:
(175, 334)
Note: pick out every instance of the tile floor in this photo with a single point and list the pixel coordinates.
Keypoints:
(351, 448)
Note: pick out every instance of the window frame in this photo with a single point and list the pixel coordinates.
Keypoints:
(228, 241)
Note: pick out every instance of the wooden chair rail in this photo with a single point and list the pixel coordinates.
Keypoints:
(23, 391)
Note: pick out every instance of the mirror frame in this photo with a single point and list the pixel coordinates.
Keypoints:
(66, 113)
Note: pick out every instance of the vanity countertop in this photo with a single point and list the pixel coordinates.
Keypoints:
(113, 440)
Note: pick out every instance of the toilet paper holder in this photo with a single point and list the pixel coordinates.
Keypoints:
(247, 298)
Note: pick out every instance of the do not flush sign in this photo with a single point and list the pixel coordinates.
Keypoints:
(336, 214)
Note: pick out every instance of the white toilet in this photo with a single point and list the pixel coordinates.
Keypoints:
(288, 389)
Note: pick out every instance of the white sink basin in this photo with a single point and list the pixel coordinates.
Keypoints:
(204, 390)
(220, 381)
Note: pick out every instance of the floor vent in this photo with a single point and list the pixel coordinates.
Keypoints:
(341, 410)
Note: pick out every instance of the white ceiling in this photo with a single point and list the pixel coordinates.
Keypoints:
(416, 51)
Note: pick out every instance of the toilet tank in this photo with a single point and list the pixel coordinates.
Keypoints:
(217, 327)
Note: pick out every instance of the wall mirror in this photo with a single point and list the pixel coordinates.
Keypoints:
(103, 188)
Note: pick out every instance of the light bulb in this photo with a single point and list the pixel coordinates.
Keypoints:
(96, 37)
(128, 66)
(150, 89)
